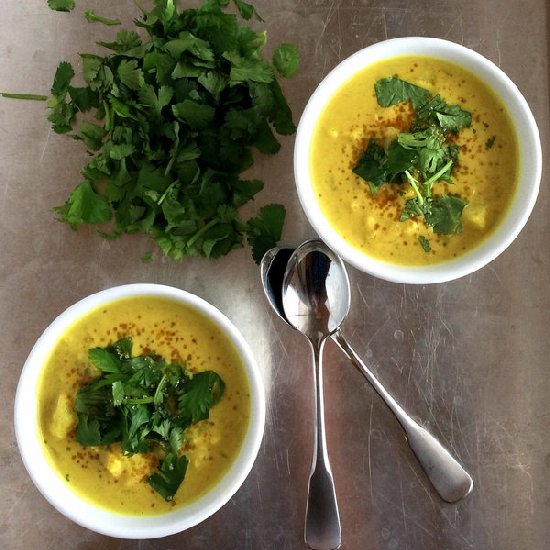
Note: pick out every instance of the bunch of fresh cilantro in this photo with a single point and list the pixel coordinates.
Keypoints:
(422, 157)
(144, 404)
(177, 116)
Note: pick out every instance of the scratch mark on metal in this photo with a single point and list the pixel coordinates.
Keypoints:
(385, 25)
(287, 461)
(330, 14)
(369, 449)
(499, 30)
(403, 508)
(45, 145)
(18, 498)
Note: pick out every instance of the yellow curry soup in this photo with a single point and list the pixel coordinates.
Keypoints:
(485, 176)
(177, 332)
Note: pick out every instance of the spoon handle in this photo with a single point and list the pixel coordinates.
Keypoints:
(322, 525)
(448, 477)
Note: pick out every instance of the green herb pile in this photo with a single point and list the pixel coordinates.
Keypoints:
(177, 117)
(421, 157)
(145, 404)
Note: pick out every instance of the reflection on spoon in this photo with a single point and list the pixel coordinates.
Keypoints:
(446, 474)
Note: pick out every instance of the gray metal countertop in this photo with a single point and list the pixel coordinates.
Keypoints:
(469, 358)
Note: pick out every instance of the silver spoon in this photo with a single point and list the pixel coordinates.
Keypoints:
(315, 300)
(446, 474)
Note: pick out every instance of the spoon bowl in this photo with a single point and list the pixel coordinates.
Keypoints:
(316, 292)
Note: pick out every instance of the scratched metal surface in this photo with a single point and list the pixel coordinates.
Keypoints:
(468, 358)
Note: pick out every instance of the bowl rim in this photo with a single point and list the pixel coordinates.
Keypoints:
(530, 153)
(102, 521)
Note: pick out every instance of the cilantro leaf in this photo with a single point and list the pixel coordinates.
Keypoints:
(62, 78)
(130, 75)
(169, 476)
(118, 393)
(214, 82)
(265, 230)
(84, 205)
(371, 166)
(392, 90)
(280, 114)
(490, 142)
(378, 166)
(87, 431)
(399, 160)
(445, 214)
(134, 426)
(91, 134)
(424, 243)
(201, 392)
(62, 117)
(437, 111)
(412, 209)
(247, 10)
(285, 60)
(104, 360)
(196, 115)
(247, 69)
(126, 41)
(83, 98)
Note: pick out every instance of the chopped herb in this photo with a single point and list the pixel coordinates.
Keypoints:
(177, 118)
(420, 158)
(436, 112)
(490, 142)
(444, 215)
(392, 91)
(144, 403)
(61, 5)
(285, 60)
(33, 97)
(264, 231)
(424, 243)
(147, 257)
(247, 11)
(92, 17)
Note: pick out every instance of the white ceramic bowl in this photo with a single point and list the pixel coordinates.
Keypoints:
(69, 503)
(530, 159)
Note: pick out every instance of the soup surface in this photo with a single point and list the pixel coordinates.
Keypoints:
(102, 475)
(485, 175)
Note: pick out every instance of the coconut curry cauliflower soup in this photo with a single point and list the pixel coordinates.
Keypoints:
(479, 184)
(105, 475)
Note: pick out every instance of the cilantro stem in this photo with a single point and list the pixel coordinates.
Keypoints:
(34, 97)
(414, 185)
(430, 181)
(168, 189)
(202, 230)
(138, 400)
(108, 117)
(171, 161)
(158, 397)
(92, 17)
